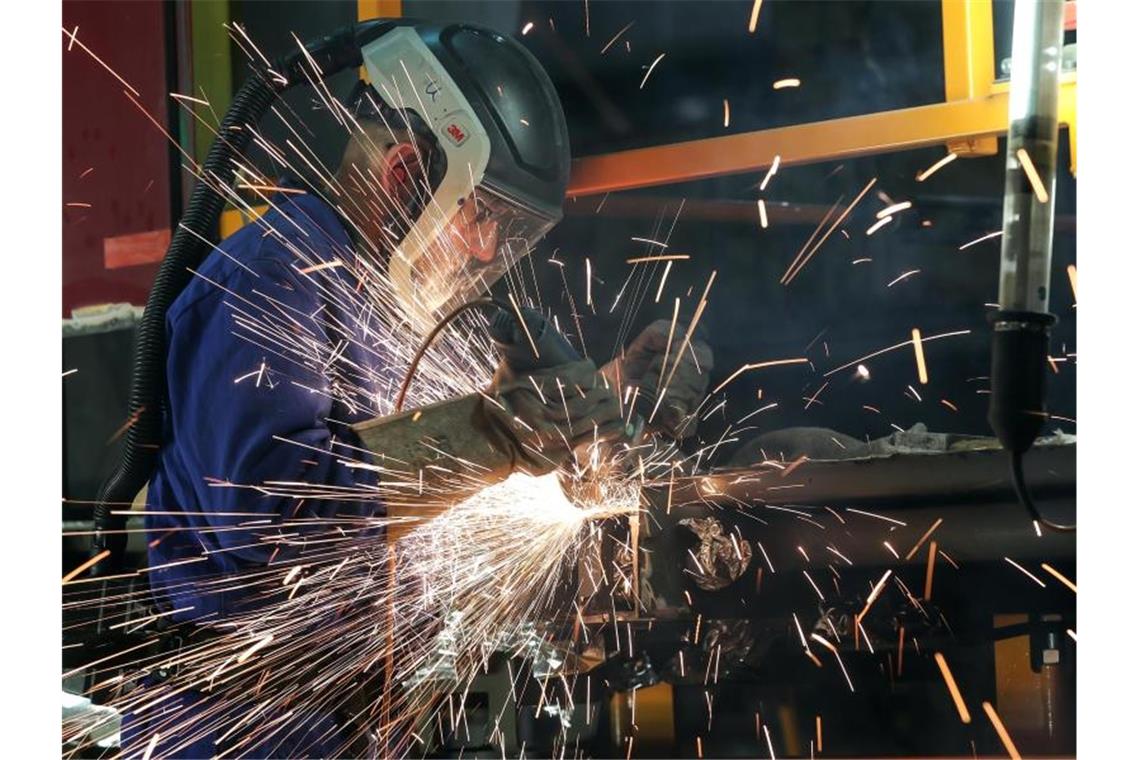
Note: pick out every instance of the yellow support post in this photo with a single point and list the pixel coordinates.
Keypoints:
(369, 9)
(968, 63)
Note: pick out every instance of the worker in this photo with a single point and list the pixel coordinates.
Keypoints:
(241, 414)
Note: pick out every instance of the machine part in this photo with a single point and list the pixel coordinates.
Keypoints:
(1021, 325)
(728, 643)
(719, 560)
(522, 175)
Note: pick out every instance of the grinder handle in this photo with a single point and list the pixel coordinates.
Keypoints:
(515, 348)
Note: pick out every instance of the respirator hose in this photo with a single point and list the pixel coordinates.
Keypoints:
(188, 248)
(148, 376)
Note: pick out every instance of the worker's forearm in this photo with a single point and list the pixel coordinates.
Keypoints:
(437, 455)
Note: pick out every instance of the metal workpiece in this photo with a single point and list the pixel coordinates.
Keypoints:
(418, 453)
(865, 501)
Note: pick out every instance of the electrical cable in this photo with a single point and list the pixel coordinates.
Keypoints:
(431, 336)
(1027, 500)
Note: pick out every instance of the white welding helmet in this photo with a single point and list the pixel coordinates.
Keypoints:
(495, 116)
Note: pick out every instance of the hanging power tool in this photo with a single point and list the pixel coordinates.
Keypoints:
(1022, 323)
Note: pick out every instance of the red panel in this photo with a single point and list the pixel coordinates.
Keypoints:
(116, 171)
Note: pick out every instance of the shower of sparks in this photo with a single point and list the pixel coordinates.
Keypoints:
(952, 686)
(1006, 741)
(752, 19)
(803, 257)
(902, 277)
(1071, 270)
(828, 645)
(758, 365)
(919, 356)
(928, 587)
(895, 347)
(652, 66)
(428, 604)
(982, 239)
(878, 225)
(1028, 574)
(73, 39)
(892, 209)
(615, 37)
(925, 175)
(878, 589)
(783, 84)
(70, 372)
(86, 565)
(589, 287)
(663, 257)
(929, 532)
(884, 518)
(771, 173)
(1057, 574)
(1032, 175)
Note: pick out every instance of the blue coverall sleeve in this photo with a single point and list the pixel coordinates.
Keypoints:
(245, 415)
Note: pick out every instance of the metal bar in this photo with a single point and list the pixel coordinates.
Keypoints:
(210, 51)
(902, 129)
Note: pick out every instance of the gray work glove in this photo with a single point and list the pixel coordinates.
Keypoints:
(640, 367)
(542, 416)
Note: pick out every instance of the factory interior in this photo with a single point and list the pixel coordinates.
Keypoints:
(847, 230)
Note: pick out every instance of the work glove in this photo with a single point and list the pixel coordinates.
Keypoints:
(640, 366)
(543, 415)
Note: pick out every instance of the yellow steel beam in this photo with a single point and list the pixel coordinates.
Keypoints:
(902, 129)
(968, 63)
(369, 9)
(235, 218)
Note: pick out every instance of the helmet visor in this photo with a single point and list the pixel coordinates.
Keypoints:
(483, 238)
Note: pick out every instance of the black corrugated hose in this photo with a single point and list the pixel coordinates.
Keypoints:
(187, 250)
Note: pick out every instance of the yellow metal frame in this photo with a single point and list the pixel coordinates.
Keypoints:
(975, 113)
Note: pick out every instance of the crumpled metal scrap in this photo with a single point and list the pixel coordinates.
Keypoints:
(720, 559)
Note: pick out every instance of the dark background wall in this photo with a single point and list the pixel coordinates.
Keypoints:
(113, 157)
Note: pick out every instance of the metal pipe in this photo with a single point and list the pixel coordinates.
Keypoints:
(1031, 157)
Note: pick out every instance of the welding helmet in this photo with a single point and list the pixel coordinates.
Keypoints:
(494, 115)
